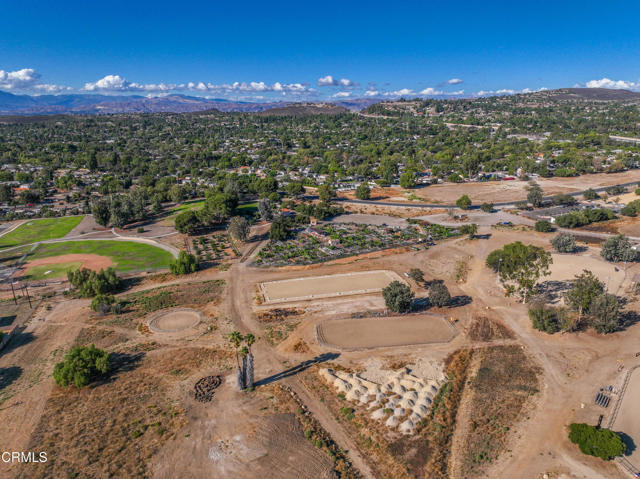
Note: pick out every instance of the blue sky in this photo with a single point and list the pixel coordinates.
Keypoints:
(302, 50)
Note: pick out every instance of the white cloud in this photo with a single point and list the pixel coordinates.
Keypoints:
(431, 92)
(329, 80)
(371, 93)
(456, 93)
(341, 94)
(48, 88)
(19, 79)
(508, 91)
(614, 84)
(398, 93)
(119, 84)
(454, 81)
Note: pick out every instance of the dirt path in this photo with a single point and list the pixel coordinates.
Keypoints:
(269, 363)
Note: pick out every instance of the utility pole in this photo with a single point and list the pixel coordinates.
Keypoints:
(28, 297)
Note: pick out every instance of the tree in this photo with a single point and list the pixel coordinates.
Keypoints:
(266, 186)
(520, 267)
(90, 283)
(363, 192)
(239, 228)
(617, 248)
(295, 188)
(487, 207)
(564, 243)
(82, 365)
(563, 199)
(598, 442)
(546, 318)
(264, 208)
(102, 303)
(326, 192)
(218, 207)
(590, 195)
(407, 180)
(543, 226)
(398, 297)
(185, 263)
(605, 317)
(464, 202)
(279, 230)
(100, 211)
(534, 195)
(176, 193)
(439, 294)
(6, 194)
(417, 275)
(120, 211)
(235, 338)
(187, 222)
(586, 287)
(470, 229)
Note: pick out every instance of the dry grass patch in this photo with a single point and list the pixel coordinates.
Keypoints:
(488, 329)
(112, 429)
(505, 379)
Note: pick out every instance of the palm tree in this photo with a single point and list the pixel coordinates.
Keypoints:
(244, 352)
(235, 338)
(249, 339)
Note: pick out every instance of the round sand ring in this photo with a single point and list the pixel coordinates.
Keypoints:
(174, 320)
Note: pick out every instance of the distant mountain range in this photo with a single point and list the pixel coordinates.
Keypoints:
(81, 104)
(89, 104)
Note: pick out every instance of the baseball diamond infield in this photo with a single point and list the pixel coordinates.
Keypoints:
(317, 287)
(370, 333)
(174, 320)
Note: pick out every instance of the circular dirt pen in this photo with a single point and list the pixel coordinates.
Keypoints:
(174, 320)
(371, 333)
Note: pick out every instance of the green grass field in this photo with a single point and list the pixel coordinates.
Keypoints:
(125, 255)
(187, 205)
(51, 271)
(40, 230)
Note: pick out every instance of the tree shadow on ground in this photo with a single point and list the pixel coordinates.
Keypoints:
(628, 442)
(458, 301)
(485, 236)
(628, 319)
(18, 339)
(121, 363)
(9, 375)
(7, 320)
(552, 291)
(297, 369)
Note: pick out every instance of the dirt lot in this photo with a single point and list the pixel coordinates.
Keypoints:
(502, 191)
(368, 333)
(90, 261)
(174, 320)
(327, 286)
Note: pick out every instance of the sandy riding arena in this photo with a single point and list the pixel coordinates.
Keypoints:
(174, 320)
(368, 333)
(627, 419)
(566, 267)
(315, 287)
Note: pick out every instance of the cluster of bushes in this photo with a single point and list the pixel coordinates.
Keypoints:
(185, 263)
(584, 217)
(82, 365)
(588, 302)
(217, 207)
(543, 226)
(631, 209)
(618, 248)
(90, 283)
(564, 243)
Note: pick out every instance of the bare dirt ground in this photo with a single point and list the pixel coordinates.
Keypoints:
(369, 333)
(87, 225)
(502, 191)
(370, 220)
(245, 434)
(174, 320)
(90, 261)
(327, 286)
